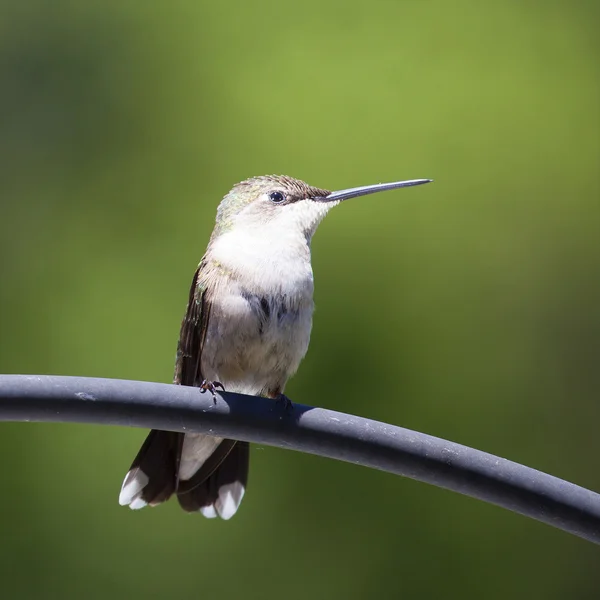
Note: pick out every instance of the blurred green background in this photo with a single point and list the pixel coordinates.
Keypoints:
(473, 304)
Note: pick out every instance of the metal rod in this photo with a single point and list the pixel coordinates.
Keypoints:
(314, 430)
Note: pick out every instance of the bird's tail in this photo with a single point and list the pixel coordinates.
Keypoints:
(208, 474)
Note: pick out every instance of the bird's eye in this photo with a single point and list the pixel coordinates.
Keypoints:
(276, 197)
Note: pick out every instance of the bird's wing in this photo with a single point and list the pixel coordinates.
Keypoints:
(188, 371)
(218, 485)
(192, 335)
(189, 348)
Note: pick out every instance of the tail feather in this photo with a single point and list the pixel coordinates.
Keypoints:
(216, 489)
(221, 492)
(151, 477)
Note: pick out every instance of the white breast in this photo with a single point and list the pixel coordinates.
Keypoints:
(270, 263)
(261, 311)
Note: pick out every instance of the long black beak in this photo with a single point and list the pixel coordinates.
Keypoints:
(370, 189)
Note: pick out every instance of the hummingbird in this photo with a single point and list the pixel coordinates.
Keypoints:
(246, 329)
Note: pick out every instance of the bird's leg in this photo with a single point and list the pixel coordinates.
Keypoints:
(285, 402)
(211, 386)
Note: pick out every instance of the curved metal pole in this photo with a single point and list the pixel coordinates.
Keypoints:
(314, 430)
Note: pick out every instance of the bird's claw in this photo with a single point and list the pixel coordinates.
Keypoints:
(285, 402)
(211, 386)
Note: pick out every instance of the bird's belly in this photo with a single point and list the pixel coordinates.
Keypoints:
(254, 343)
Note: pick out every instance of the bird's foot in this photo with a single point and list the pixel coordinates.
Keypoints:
(211, 386)
(283, 401)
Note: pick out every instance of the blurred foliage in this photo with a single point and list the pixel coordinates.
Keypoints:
(468, 309)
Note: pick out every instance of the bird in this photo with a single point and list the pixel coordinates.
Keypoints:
(246, 329)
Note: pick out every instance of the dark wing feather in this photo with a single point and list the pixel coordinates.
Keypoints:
(194, 326)
(156, 467)
(192, 335)
(188, 371)
(154, 471)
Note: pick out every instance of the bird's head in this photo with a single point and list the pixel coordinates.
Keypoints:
(277, 203)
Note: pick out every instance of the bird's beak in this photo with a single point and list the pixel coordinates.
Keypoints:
(369, 189)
